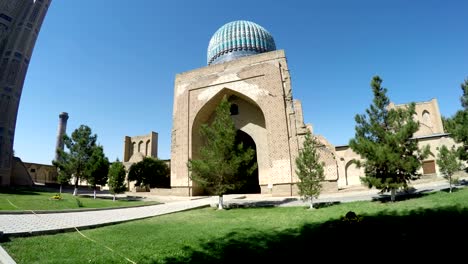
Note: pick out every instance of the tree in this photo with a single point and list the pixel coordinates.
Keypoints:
(150, 171)
(62, 177)
(384, 139)
(75, 162)
(63, 170)
(97, 169)
(117, 178)
(220, 157)
(448, 163)
(457, 125)
(309, 170)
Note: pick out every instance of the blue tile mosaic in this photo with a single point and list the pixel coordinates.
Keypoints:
(238, 39)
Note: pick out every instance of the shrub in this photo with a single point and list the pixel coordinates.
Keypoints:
(351, 217)
(57, 197)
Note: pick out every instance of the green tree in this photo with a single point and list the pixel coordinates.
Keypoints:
(448, 163)
(97, 169)
(150, 172)
(63, 171)
(457, 125)
(75, 162)
(309, 170)
(384, 139)
(117, 178)
(62, 179)
(220, 157)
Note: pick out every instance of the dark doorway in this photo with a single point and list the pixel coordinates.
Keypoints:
(250, 182)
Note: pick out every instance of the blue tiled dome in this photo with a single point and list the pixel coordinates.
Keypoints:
(237, 39)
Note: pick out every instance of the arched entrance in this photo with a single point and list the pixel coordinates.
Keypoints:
(250, 182)
(250, 124)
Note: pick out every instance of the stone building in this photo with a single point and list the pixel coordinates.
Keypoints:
(431, 132)
(138, 147)
(20, 22)
(41, 173)
(244, 66)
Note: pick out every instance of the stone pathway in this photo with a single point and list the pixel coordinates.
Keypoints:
(40, 223)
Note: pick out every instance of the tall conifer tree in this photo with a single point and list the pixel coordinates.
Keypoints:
(384, 139)
(220, 157)
(448, 163)
(309, 170)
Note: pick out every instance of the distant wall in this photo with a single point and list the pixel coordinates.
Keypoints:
(20, 175)
(41, 173)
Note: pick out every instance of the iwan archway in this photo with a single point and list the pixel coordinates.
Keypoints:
(249, 121)
(255, 77)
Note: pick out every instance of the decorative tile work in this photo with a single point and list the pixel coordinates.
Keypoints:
(237, 39)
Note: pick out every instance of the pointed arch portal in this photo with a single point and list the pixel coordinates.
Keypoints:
(249, 121)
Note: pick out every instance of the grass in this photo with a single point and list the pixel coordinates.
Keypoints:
(29, 199)
(421, 227)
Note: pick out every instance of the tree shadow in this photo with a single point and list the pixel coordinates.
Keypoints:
(319, 205)
(403, 195)
(250, 204)
(462, 182)
(418, 235)
(19, 191)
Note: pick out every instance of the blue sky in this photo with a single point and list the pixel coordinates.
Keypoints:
(111, 64)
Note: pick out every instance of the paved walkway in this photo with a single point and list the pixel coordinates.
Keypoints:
(40, 223)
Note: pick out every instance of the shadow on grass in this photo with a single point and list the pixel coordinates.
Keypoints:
(411, 194)
(117, 198)
(19, 191)
(256, 204)
(418, 235)
(248, 204)
(402, 196)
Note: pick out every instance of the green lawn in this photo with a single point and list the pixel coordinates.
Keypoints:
(418, 228)
(29, 199)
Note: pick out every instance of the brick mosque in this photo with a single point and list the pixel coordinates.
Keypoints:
(244, 65)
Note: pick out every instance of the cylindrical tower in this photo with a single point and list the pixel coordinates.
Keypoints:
(62, 127)
(20, 22)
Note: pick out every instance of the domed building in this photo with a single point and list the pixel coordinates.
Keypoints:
(238, 39)
(244, 65)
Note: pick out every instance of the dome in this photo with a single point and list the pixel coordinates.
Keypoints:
(237, 39)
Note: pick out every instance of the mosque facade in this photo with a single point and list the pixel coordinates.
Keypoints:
(245, 66)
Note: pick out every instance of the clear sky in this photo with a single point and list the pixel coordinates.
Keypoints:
(111, 64)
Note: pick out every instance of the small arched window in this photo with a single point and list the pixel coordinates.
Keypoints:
(147, 149)
(426, 117)
(134, 150)
(139, 146)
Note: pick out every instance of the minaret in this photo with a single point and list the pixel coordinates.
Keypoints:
(62, 128)
(20, 23)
